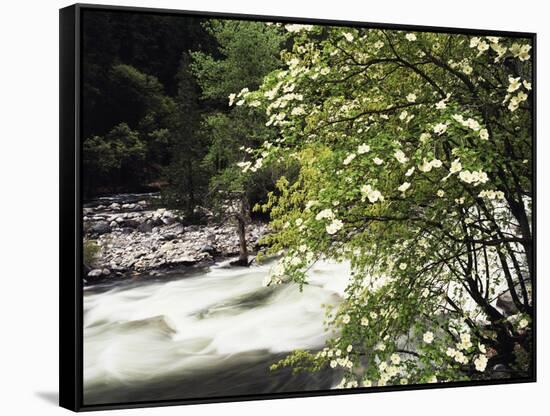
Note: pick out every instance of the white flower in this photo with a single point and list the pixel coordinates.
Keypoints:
(428, 337)
(404, 186)
(465, 341)
(326, 213)
(484, 134)
(411, 97)
(482, 46)
(400, 156)
(402, 266)
(299, 221)
(370, 193)
(310, 204)
(333, 363)
(441, 193)
(513, 84)
(244, 166)
(441, 105)
(297, 111)
(482, 348)
(348, 36)
(436, 163)
(460, 358)
(473, 124)
(367, 383)
(425, 166)
(487, 193)
(451, 352)
(377, 161)
(481, 363)
(293, 28)
(364, 321)
(467, 69)
(409, 172)
(403, 115)
(363, 148)
(346, 319)
(474, 42)
(335, 226)
(474, 177)
(527, 85)
(378, 44)
(349, 158)
(523, 323)
(239, 103)
(231, 99)
(521, 52)
(395, 359)
(403, 381)
(440, 128)
(424, 137)
(432, 379)
(349, 348)
(425, 292)
(456, 166)
(411, 37)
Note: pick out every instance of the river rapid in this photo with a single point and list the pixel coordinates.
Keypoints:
(204, 334)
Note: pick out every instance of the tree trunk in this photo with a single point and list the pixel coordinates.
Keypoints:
(243, 249)
(241, 218)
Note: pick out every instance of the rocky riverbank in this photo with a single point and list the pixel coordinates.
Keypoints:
(126, 236)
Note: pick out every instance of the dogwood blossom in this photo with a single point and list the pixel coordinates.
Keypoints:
(335, 226)
(400, 156)
(326, 213)
(440, 128)
(404, 186)
(349, 158)
(428, 337)
(480, 363)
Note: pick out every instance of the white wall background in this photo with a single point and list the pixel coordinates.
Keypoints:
(28, 204)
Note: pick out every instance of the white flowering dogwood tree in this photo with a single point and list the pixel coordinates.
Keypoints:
(415, 155)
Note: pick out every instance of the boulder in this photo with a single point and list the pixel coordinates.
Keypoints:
(114, 206)
(184, 260)
(168, 220)
(146, 227)
(101, 227)
(105, 272)
(207, 248)
(131, 223)
(95, 273)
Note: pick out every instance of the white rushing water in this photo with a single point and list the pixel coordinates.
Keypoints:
(157, 330)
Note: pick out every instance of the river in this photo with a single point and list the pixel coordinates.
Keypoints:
(203, 334)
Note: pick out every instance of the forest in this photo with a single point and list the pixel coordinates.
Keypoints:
(406, 155)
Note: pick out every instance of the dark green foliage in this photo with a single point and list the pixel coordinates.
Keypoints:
(114, 160)
(186, 175)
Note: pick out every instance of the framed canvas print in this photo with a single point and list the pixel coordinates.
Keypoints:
(257, 207)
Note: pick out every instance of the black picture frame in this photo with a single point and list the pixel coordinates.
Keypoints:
(70, 202)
